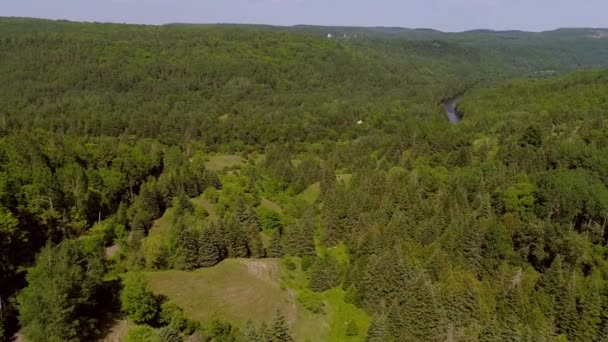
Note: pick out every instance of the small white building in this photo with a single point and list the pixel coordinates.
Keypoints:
(330, 36)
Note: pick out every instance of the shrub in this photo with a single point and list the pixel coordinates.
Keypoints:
(141, 333)
(311, 301)
(137, 300)
(352, 329)
(169, 334)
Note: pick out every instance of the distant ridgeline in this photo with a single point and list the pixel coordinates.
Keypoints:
(176, 80)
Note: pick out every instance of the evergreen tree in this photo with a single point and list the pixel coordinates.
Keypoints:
(237, 240)
(60, 301)
(325, 274)
(187, 253)
(256, 245)
(378, 330)
(251, 334)
(280, 330)
(276, 246)
(135, 257)
(422, 316)
(169, 334)
(352, 329)
(553, 281)
(589, 308)
(208, 251)
(395, 322)
(299, 238)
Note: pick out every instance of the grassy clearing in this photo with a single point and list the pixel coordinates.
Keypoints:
(163, 224)
(344, 177)
(241, 289)
(209, 207)
(270, 205)
(235, 290)
(311, 193)
(223, 161)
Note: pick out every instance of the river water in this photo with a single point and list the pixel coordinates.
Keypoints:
(450, 109)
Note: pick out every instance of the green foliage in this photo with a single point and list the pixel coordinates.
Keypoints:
(169, 334)
(269, 220)
(311, 301)
(279, 331)
(173, 315)
(325, 274)
(62, 296)
(352, 329)
(493, 229)
(141, 333)
(137, 300)
(208, 250)
(275, 250)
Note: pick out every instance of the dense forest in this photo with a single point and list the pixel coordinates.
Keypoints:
(131, 156)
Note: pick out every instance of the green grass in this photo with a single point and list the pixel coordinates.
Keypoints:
(207, 205)
(235, 290)
(223, 161)
(311, 193)
(329, 325)
(163, 224)
(344, 177)
(238, 290)
(270, 205)
(340, 313)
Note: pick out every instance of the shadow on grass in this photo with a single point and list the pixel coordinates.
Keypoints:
(109, 307)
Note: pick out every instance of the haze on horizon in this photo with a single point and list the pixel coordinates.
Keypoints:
(445, 15)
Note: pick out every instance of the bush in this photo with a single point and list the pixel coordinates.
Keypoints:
(307, 262)
(269, 220)
(137, 300)
(290, 265)
(325, 274)
(352, 329)
(141, 333)
(169, 334)
(311, 301)
(173, 316)
(211, 194)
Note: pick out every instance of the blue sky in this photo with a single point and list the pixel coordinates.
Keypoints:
(447, 15)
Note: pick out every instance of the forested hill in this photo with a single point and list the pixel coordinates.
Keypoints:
(132, 155)
(222, 83)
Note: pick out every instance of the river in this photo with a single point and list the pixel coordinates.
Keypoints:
(450, 109)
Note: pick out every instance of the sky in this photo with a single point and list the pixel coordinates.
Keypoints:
(445, 15)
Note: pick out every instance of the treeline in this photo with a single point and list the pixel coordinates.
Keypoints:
(57, 187)
(225, 84)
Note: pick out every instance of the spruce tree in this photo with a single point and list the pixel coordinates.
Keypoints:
(208, 251)
(325, 274)
(237, 240)
(280, 330)
(395, 321)
(60, 302)
(352, 329)
(256, 245)
(421, 312)
(553, 282)
(378, 330)
(187, 254)
(589, 308)
(251, 333)
(276, 247)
